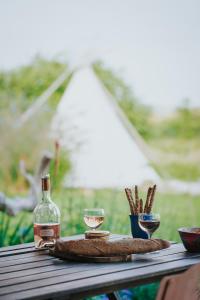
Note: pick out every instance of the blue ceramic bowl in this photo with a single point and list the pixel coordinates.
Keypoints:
(137, 232)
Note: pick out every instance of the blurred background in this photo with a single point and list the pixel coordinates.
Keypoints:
(108, 93)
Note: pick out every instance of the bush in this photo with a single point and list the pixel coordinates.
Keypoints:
(18, 89)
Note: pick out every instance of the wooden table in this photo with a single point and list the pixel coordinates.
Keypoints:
(26, 273)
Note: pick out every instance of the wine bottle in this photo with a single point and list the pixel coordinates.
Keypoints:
(46, 218)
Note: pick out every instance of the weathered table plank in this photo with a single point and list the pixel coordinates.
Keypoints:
(26, 273)
(29, 259)
(99, 283)
(94, 270)
(141, 259)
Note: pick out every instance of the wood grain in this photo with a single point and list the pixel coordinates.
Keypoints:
(28, 274)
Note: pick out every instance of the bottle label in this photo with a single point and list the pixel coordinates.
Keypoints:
(46, 232)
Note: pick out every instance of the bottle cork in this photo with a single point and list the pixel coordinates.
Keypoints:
(46, 183)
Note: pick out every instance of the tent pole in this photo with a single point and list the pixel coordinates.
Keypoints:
(42, 99)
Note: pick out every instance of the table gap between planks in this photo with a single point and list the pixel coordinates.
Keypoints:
(26, 273)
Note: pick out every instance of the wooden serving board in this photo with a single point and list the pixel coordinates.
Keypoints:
(99, 259)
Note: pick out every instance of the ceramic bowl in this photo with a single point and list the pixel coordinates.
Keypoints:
(190, 237)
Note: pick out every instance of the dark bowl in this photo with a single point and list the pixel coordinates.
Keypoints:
(190, 237)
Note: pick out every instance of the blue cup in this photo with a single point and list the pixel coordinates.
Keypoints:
(137, 232)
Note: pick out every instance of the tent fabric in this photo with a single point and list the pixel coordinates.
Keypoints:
(102, 152)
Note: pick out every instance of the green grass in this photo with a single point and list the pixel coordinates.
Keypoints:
(177, 158)
(183, 171)
(175, 211)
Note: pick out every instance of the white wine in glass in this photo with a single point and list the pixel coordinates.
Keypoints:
(93, 218)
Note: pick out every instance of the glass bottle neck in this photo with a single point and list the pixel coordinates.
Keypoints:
(46, 197)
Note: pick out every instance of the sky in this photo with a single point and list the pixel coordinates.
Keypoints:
(154, 45)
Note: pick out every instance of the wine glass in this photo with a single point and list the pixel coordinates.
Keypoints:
(149, 222)
(94, 217)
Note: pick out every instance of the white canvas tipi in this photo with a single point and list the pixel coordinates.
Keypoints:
(103, 153)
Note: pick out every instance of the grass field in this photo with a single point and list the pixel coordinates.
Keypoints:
(175, 211)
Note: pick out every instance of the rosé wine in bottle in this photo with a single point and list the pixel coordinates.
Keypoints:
(46, 218)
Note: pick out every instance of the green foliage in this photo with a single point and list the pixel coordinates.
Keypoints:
(18, 89)
(137, 113)
(25, 143)
(147, 292)
(143, 292)
(185, 124)
(15, 230)
(185, 171)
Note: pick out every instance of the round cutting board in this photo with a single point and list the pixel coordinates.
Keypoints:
(102, 259)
